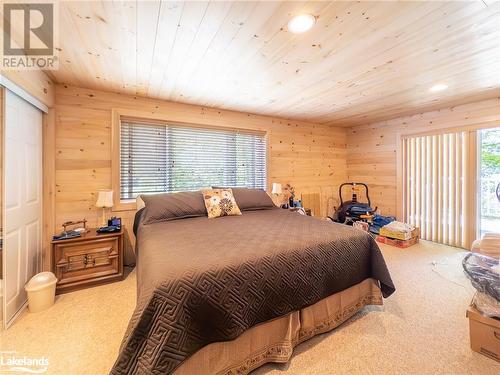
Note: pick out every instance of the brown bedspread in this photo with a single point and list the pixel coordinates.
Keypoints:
(205, 280)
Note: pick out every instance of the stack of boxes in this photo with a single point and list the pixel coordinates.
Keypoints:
(402, 239)
(483, 269)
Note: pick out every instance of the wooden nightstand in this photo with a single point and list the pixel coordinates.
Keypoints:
(89, 260)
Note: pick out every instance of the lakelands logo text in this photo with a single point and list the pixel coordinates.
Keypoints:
(12, 362)
(29, 36)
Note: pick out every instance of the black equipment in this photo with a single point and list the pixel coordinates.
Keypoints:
(108, 229)
(114, 225)
(115, 221)
(350, 211)
(66, 235)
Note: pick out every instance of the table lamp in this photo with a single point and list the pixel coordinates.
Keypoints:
(276, 188)
(104, 200)
(276, 192)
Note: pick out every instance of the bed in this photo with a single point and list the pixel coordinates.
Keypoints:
(226, 295)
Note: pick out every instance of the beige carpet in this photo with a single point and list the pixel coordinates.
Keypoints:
(421, 329)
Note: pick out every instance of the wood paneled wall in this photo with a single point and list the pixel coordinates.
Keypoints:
(309, 156)
(371, 149)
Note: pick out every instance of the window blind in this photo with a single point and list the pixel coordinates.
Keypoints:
(169, 158)
(435, 186)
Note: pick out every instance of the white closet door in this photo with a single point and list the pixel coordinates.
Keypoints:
(22, 200)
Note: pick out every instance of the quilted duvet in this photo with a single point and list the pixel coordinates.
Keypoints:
(206, 280)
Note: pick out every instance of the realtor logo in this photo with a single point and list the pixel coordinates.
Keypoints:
(28, 36)
(12, 362)
(37, 22)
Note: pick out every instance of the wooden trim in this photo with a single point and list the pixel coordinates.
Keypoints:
(268, 160)
(120, 114)
(2, 200)
(118, 205)
(48, 187)
(473, 199)
(469, 128)
(163, 120)
(400, 185)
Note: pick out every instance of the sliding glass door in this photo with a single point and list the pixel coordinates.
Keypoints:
(489, 181)
(436, 184)
(449, 184)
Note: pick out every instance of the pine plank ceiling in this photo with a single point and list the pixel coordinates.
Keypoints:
(362, 61)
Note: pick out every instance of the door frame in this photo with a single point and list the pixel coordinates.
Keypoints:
(3, 309)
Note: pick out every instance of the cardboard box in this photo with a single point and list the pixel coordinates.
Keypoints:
(484, 334)
(403, 244)
(384, 232)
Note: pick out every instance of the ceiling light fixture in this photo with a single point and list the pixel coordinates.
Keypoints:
(301, 23)
(438, 87)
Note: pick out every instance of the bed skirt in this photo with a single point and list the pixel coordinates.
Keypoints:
(273, 341)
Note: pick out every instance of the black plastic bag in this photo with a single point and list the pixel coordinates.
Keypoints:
(483, 272)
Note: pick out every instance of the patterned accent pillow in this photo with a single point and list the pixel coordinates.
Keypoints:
(220, 202)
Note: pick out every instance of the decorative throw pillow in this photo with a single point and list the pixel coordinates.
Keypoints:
(220, 202)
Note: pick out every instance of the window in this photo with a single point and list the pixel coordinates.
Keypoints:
(167, 158)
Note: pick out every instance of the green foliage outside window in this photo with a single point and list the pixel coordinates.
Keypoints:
(490, 152)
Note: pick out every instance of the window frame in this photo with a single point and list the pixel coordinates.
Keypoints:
(128, 115)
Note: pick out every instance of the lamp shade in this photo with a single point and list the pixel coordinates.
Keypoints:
(104, 198)
(276, 188)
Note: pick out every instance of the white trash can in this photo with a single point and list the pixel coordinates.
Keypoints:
(41, 291)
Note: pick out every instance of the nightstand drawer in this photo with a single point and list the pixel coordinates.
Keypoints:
(87, 262)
